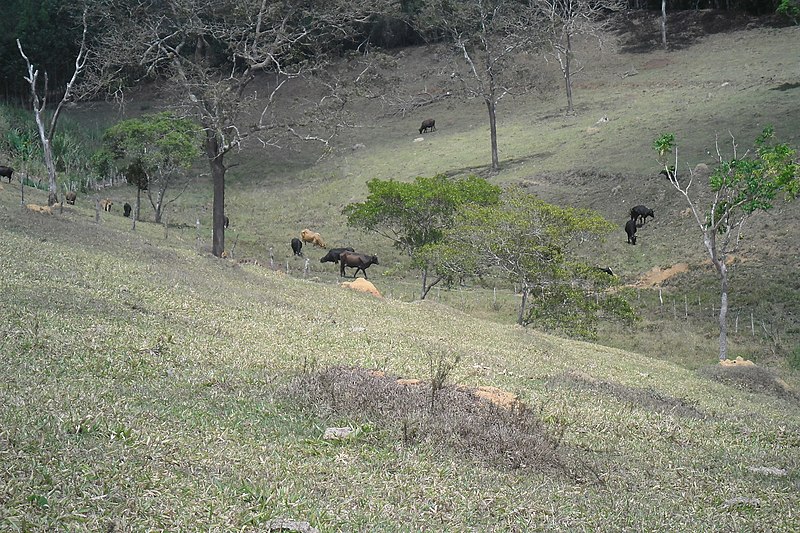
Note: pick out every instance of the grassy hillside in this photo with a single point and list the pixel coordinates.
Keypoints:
(150, 386)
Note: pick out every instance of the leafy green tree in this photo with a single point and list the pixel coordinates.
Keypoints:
(155, 149)
(416, 214)
(533, 244)
(741, 186)
(790, 9)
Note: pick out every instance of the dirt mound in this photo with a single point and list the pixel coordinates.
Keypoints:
(656, 276)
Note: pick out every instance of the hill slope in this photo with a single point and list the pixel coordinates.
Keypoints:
(146, 386)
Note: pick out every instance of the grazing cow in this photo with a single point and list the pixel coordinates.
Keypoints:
(358, 261)
(333, 255)
(106, 204)
(6, 172)
(71, 196)
(640, 213)
(297, 247)
(606, 270)
(630, 229)
(314, 238)
(126, 209)
(669, 172)
(427, 125)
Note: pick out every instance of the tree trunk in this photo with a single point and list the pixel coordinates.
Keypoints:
(47, 149)
(490, 104)
(523, 304)
(568, 75)
(215, 160)
(723, 314)
(426, 290)
(664, 23)
(710, 241)
(158, 203)
(138, 206)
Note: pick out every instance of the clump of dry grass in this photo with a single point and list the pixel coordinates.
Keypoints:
(460, 422)
(648, 398)
(751, 378)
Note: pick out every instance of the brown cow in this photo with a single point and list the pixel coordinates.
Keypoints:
(358, 261)
(313, 237)
(106, 204)
(71, 196)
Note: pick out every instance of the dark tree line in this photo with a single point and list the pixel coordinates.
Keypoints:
(51, 32)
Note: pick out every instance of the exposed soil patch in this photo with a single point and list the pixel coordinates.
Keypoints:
(656, 276)
(485, 424)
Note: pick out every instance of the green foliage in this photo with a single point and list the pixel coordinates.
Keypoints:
(664, 144)
(752, 182)
(790, 9)
(155, 140)
(415, 214)
(160, 143)
(527, 241)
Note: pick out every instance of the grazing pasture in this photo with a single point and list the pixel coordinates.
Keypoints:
(150, 386)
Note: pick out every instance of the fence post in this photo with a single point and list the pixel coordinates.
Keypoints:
(685, 307)
(271, 259)
(197, 229)
(752, 325)
(305, 268)
(736, 323)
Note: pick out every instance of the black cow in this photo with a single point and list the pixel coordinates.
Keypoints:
(640, 213)
(6, 172)
(227, 222)
(630, 229)
(126, 209)
(71, 196)
(297, 247)
(333, 255)
(427, 125)
(607, 270)
(358, 261)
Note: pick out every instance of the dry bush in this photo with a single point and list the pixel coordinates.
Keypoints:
(647, 398)
(464, 423)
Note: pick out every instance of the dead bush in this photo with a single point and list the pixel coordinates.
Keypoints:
(463, 422)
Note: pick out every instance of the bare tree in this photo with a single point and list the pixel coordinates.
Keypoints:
(39, 104)
(487, 36)
(740, 186)
(208, 53)
(567, 19)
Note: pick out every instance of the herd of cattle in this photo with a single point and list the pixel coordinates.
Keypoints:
(347, 257)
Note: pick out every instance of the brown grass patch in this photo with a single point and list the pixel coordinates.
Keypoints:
(502, 434)
(647, 398)
(751, 378)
